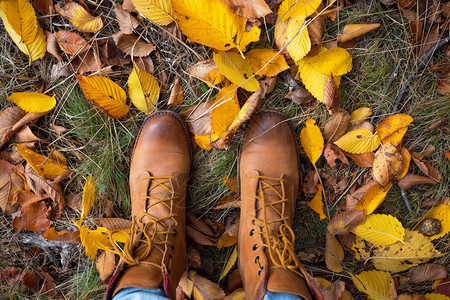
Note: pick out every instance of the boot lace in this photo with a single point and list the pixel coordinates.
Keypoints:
(277, 239)
(149, 237)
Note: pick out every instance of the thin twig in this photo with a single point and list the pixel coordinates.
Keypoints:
(406, 200)
(420, 65)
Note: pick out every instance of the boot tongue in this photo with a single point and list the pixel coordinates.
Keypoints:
(271, 191)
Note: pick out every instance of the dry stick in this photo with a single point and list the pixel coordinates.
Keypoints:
(420, 65)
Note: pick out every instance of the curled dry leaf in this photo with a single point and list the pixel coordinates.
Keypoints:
(132, 45)
(266, 62)
(352, 31)
(71, 42)
(236, 69)
(427, 272)
(387, 164)
(33, 102)
(223, 29)
(250, 106)
(79, 17)
(198, 118)
(344, 222)
(331, 153)
(359, 141)
(312, 141)
(176, 94)
(426, 167)
(87, 62)
(52, 46)
(144, 64)
(316, 27)
(360, 115)
(205, 289)
(35, 217)
(207, 71)
(253, 9)
(12, 119)
(336, 126)
(105, 95)
(331, 95)
(268, 84)
(143, 90)
(127, 22)
(301, 96)
(410, 180)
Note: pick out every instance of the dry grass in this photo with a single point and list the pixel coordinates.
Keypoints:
(99, 146)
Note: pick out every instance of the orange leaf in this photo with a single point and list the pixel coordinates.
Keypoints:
(71, 42)
(79, 17)
(132, 45)
(35, 217)
(334, 253)
(207, 71)
(387, 164)
(176, 94)
(226, 241)
(105, 95)
(105, 265)
(225, 109)
(352, 31)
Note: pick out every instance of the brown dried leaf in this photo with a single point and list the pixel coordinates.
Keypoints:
(113, 56)
(198, 237)
(12, 275)
(206, 71)
(345, 222)
(127, 22)
(364, 160)
(87, 62)
(352, 199)
(35, 217)
(301, 96)
(71, 43)
(62, 236)
(443, 85)
(331, 95)
(12, 119)
(268, 84)
(26, 137)
(198, 224)
(176, 95)
(336, 126)
(252, 9)
(52, 46)
(145, 64)
(333, 152)
(316, 27)
(411, 180)
(132, 45)
(51, 186)
(427, 272)
(41, 283)
(426, 167)
(105, 265)
(45, 7)
(198, 118)
(352, 31)
(365, 124)
(114, 223)
(334, 253)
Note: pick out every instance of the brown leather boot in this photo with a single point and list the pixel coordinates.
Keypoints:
(160, 167)
(269, 179)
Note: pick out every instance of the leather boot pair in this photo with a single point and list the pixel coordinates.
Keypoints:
(155, 256)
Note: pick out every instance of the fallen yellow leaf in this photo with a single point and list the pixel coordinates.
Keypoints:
(393, 124)
(387, 164)
(359, 141)
(441, 213)
(222, 29)
(312, 141)
(380, 229)
(43, 166)
(298, 42)
(360, 115)
(236, 69)
(33, 102)
(373, 198)
(157, 11)
(79, 17)
(230, 263)
(225, 109)
(293, 8)
(377, 285)
(20, 16)
(266, 62)
(105, 95)
(316, 204)
(88, 199)
(143, 90)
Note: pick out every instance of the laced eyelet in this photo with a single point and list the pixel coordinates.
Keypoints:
(260, 270)
(254, 247)
(172, 247)
(256, 259)
(174, 232)
(252, 232)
